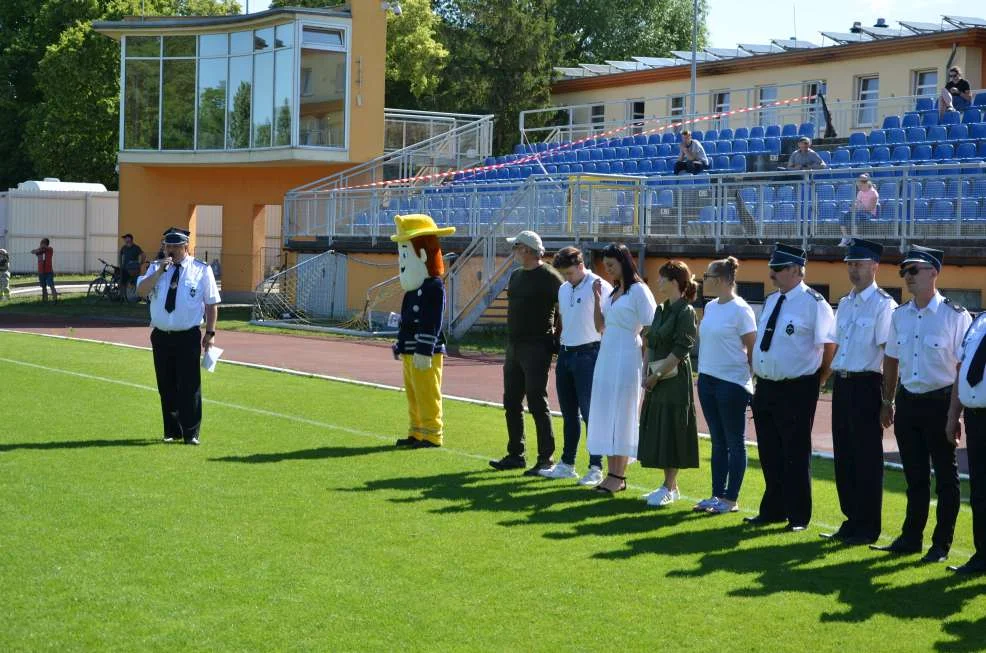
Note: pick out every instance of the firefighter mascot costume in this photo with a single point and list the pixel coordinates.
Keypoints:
(420, 342)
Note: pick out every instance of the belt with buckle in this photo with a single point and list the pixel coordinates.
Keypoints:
(842, 374)
(586, 347)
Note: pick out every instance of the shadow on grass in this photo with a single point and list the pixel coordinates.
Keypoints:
(76, 444)
(319, 453)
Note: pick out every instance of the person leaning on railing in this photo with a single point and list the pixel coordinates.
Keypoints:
(805, 158)
(692, 158)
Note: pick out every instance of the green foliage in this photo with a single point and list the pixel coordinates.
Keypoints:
(239, 117)
(415, 58)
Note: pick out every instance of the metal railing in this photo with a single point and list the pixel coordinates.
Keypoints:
(404, 128)
(934, 201)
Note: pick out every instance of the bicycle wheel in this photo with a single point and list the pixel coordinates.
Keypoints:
(97, 290)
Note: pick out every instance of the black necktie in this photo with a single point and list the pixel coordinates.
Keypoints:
(975, 374)
(768, 333)
(169, 302)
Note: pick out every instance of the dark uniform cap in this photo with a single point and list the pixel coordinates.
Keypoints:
(785, 255)
(918, 254)
(863, 250)
(175, 236)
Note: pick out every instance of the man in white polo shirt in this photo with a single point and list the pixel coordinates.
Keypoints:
(969, 396)
(182, 290)
(576, 360)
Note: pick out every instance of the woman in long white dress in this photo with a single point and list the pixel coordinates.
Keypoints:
(614, 412)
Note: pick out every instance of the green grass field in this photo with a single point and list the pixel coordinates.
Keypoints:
(296, 526)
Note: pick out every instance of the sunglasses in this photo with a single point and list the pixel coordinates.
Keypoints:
(912, 270)
(708, 276)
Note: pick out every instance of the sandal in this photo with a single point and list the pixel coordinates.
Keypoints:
(599, 489)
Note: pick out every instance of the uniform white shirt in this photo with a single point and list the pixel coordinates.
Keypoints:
(972, 396)
(805, 324)
(720, 341)
(862, 329)
(577, 307)
(196, 288)
(927, 342)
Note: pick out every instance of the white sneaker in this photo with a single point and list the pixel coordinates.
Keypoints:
(844, 242)
(721, 507)
(705, 504)
(560, 470)
(593, 477)
(662, 496)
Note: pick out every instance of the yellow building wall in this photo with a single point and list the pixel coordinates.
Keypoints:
(896, 79)
(367, 80)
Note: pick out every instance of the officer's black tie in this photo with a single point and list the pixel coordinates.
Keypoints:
(768, 333)
(978, 365)
(169, 302)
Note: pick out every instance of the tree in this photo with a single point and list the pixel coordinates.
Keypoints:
(599, 30)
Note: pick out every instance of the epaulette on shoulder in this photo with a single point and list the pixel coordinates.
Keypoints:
(955, 307)
(883, 293)
(817, 295)
(907, 303)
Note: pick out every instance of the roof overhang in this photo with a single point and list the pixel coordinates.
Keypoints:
(153, 25)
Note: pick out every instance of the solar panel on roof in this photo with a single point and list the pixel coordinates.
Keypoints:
(791, 44)
(847, 37)
(884, 32)
(596, 68)
(626, 65)
(756, 48)
(699, 56)
(966, 21)
(573, 72)
(924, 28)
(727, 53)
(656, 62)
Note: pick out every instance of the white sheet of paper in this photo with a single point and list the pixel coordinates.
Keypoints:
(210, 358)
(394, 320)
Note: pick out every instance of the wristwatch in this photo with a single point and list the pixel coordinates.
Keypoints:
(211, 333)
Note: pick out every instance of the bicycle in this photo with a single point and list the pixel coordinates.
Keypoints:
(106, 285)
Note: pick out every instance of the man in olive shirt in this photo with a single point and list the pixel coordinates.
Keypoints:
(532, 304)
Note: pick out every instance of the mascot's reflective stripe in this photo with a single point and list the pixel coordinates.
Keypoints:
(420, 342)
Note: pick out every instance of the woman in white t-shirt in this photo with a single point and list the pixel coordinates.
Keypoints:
(725, 382)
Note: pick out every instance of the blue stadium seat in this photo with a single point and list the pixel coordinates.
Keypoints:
(640, 139)
(977, 131)
(660, 166)
(707, 214)
(958, 132)
(627, 141)
(896, 136)
(981, 150)
(825, 156)
(937, 134)
(840, 158)
(789, 130)
(901, 154)
(616, 167)
(979, 100)
(857, 139)
(630, 167)
(710, 147)
(588, 166)
(712, 135)
(725, 134)
(876, 137)
(664, 198)
(741, 132)
(827, 211)
(597, 154)
(845, 192)
(583, 155)
(942, 210)
(654, 139)
(756, 145)
(966, 151)
(933, 190)
(929, 118)
(920, 209)
(772, 145)
(738, 163)
(968, 208)
(916, 135)
(756, 132)
(698, 135)
(650, 151)
(740, 146)
(806, 129)
(880, 156)
(972, 115)
(772, 131)
(724, 147)
(889, 209)
(891, 122)
(669, 137)
(721, 163)
(635, 152)
(924, 104)
(825, 192)
(565, 169)
(784, 212)
(665, 150)
(950, 118)
(888, 190)
(956, 188)
(911, 119)
(645, 167)
(944, 152)
(860, 156)
(603, 167)
(749, 195)
(785, 194)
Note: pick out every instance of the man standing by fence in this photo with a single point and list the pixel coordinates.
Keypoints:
(46, 274)
(131, 260)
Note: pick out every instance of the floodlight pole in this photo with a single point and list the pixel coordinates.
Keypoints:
(694, 53)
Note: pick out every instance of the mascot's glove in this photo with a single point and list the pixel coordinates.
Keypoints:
(422, 362)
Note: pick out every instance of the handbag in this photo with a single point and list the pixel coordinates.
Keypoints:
(670, 374)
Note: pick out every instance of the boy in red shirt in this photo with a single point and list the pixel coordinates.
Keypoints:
(46, 276)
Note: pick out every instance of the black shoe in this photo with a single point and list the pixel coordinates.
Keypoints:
(796, 528)
(425, 444)
(757, 520)
(898, 547)
(935, 554)
(538, 466)
(406, 442)
(859, 540)
(974, 566)
(509, 462)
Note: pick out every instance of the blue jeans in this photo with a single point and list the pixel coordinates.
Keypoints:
(573, 379)
(862, 217)
(724, 406)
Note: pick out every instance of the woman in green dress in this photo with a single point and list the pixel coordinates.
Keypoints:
(668, 431)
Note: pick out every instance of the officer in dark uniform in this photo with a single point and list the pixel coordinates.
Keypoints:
(924, 343)
(182, 290)
(791, 358)
(862, 329)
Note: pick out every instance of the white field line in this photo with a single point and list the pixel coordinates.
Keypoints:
(326, 425)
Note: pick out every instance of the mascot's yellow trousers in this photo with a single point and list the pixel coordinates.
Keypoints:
(424, 399)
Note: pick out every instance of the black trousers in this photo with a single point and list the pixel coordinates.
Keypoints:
(525, 374)
(783, 412)
(176, 365)
(694, 167)
(975, 442)
(919, 426)
(857, 439)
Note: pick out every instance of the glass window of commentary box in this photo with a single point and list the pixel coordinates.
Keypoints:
(233, 91)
